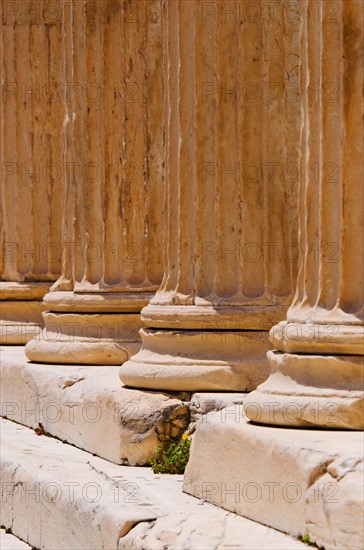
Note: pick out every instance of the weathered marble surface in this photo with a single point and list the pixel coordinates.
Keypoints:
(89, 408)
(326, 316)
(31, 152)
(302, 482)
(229, 221)
(60, 497)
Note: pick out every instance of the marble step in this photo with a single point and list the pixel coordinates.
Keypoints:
(89, 407)
(299, 481)
(58, 497)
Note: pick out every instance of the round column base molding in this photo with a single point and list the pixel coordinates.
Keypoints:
(10, 290)
(113, 302)
(327, 338)
(258, 317)
(310, 391)
(86, 338)
(79, 351)
(198, 361)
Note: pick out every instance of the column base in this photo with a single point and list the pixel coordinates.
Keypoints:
(206, 316)
(21, 311)
(89, 328)
(86, 338)
(310, 390)
(198, 361)
(326, 337)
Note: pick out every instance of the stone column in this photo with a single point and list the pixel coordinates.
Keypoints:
(31, 162)
(113, 188)
(317, 368)
(230, 207)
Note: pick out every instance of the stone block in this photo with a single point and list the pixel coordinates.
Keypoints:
(301, 482)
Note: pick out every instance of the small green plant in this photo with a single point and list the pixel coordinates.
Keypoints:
(173, 459)
(306, 540)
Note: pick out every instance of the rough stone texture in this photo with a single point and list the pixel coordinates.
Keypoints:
(175, 109)
(58, 497)
(326, 316)
(205, 402)
(88, 407)
(9, 542)
(227, 265)
(207, 530)
(302, 482)
(113, 197)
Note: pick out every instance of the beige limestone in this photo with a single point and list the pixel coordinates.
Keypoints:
(21, 311)
(113, 193)
(198, 361)
(229, 221)
(310, 391)
(31, 164)
(301, 482)
(319, 338)
(326, 316)
(56, 496)
(93, 339)
(87, 407)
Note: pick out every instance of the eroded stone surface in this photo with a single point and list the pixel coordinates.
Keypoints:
(302, 482)
(225, 404)
(113, 210)
(326, 316)
(227, 271)
(57, 497)
(31, 151)
(208, 530)
(88, 407)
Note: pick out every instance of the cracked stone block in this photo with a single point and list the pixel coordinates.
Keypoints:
(207, 402)
(208, 531)
(58, 497)
(301, 482)
(88, 407)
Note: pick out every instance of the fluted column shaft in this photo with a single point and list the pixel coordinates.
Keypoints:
(31, 167)
(113, 190)
(325, 321)
(230, 217)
